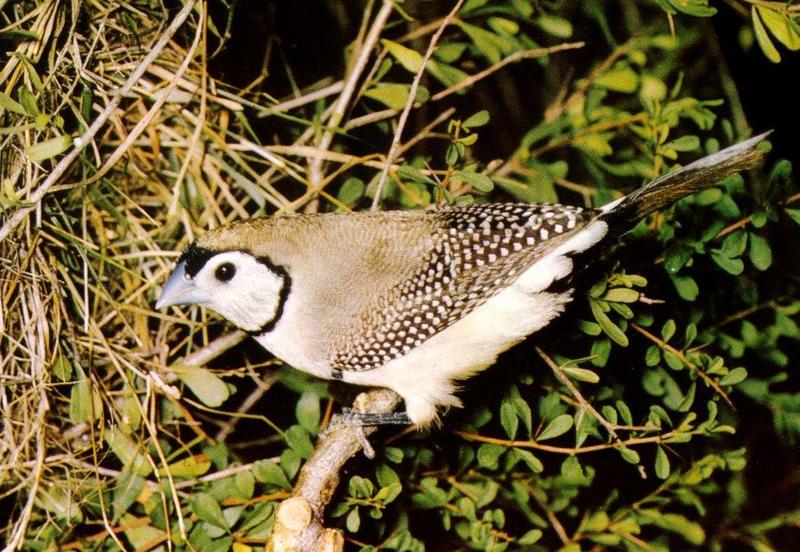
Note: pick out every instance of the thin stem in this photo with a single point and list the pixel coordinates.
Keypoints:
(412, 94)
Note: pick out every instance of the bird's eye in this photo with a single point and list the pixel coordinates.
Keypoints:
(225, 272)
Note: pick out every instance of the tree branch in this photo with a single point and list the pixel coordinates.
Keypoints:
(299, 519)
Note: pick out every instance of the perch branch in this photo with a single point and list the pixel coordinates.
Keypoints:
(299, 519)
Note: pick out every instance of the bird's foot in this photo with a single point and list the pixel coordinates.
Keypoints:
(357, 421)
(350, 416)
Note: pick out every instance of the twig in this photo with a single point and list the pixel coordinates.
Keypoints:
(81, 142)
(551, 517)
(584, 404)
(315, 168)
(299, 519)
(532, 53)
(412, 95)
(688, 363)
(531, 444)
(211, 351)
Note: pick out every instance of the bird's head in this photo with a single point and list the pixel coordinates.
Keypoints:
(247, 290)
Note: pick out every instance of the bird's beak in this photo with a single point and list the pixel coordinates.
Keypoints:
(180, 289)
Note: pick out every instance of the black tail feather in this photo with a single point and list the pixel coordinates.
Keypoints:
(685, 181)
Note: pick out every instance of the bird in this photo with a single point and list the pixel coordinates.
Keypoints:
(414, 301)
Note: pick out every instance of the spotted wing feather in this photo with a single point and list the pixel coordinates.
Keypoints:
(477, 251)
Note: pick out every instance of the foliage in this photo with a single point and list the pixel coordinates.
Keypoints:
(633, 423)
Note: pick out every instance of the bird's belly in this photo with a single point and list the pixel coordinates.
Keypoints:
(424, 377)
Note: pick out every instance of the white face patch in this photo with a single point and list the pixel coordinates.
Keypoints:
(247, 291)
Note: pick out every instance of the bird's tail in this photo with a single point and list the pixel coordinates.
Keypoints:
(685, 181)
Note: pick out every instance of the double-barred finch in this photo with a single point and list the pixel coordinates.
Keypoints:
(413, 300)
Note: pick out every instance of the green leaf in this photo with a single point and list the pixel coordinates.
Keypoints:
(735, 243)
(623, 79)
(308, 412)
(62, 368)
(781, 26)
(629, 455)
(601, 350)
(737, 375)
(480, 182)
(689, 530)
(581, 374)
(489, 454)
(447, 74)
(451, 52)
(763, 39)
(393, 454)
(408, 172)
(476, 120)
(684, 143)
(589, 328)
(395, 95)
(28, 101)
(351, 191)
(207, 387)
(530, 460)
(531, 537)
(653, 355)
(697, 8)
(652, 89)
(685, 286)
(508, 418)
(9, 104)
(207, 508)
(270, 473)
(611, 330)
(245, 485)
(48, 148)
(609, 413)
(353, 521)
(760, 252)
(668, 330)
(557, 427)
(596, 523)
(191, 466)
(731, 266)
(621, 295)
(571, 469)
(488, 44)
(128, 486)
(360, 487)
(410, 59)
(386, 476)
(624, 412)
(128, 452)
(555, 26)
(794, 214)
(85, 404)
(298, 440)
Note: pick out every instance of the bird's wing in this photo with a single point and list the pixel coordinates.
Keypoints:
(477, 250)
